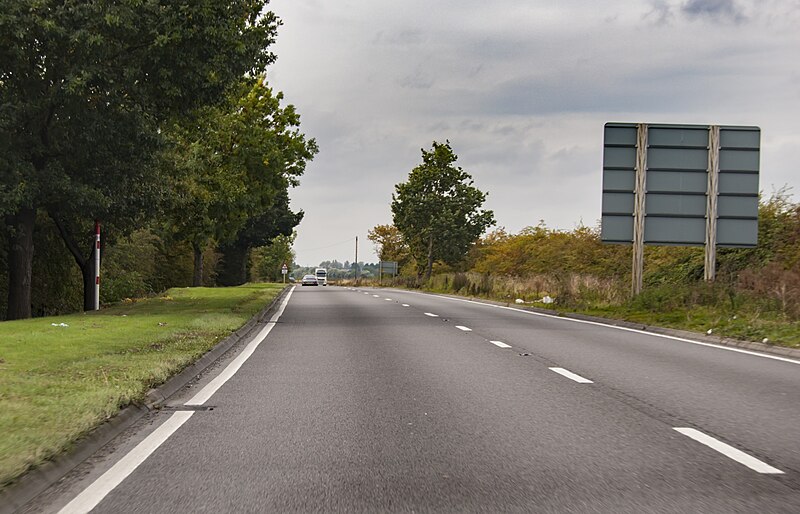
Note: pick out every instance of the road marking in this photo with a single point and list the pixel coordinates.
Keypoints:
(212, 387)
(99, 489)
(465, 329)
(406, 305)
(572, 376)
(376, 295)
(615, 327)
(729, 451)
(500, 344)
(388, 299)
(432, 315)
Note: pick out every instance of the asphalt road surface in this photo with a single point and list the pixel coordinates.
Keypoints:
(392, 401)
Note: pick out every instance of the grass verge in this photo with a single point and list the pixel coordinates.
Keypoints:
(58, 382)
(697, 309)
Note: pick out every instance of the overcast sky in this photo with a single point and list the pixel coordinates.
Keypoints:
(522, 89)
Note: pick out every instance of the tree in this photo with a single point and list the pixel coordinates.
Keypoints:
(83, 83)
(389, 244)
(438, 210)
(236, 162)
(268, 260)
(278, 219)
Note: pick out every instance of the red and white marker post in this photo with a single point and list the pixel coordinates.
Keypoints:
(96, 265)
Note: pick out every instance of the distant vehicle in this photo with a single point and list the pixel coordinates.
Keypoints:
(322, 276)
(309, 280)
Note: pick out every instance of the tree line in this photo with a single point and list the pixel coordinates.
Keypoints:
(154, 119)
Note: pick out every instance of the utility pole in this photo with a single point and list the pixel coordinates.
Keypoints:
(356, 271)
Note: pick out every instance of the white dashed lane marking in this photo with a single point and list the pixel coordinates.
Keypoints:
(406, 305)
(500, 344)
(729, 451)
(432, 315)
(463, 328)
(572, 376)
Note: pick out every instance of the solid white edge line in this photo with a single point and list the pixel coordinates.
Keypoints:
(206, 392)
(500, 344)
(615, 327)
(730, 452)
(572, 376)
(432, 315)
(465, 329)
(99, 489)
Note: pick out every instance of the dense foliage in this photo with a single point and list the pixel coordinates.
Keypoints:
(153, 118)
(756, 294)
(438, 210)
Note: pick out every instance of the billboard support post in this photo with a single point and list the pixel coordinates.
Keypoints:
(711, 211)
(640, 193)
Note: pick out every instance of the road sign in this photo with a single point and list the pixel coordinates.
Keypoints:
(388, 267)
(693, 185)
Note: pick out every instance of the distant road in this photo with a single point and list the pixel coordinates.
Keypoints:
(394, 401)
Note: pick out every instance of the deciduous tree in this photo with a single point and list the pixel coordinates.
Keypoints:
(83, 83)
(438, 210)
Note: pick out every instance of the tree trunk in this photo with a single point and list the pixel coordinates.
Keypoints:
(20, 264)
(429, 268)
(86, 265)
(197, 277)
(233, 266)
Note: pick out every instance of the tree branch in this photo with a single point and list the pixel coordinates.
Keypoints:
(69, 241)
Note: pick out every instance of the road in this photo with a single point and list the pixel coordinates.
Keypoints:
(369, 400)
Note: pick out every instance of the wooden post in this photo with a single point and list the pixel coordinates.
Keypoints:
(640, 190)
(711, 203)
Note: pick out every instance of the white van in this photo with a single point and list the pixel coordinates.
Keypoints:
(322, 276)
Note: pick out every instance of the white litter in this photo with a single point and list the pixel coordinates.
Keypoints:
(547, 299)
(519, 300)
(59, 324)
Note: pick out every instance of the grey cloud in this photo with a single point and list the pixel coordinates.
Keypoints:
(408, 37)
(416, 80)
(660, 13)
(726, 10)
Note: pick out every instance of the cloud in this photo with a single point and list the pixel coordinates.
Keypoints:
(405, 37)
(660, 13)
(725, 10)
(522, 90)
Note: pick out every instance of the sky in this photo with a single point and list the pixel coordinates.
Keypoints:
(521, 89)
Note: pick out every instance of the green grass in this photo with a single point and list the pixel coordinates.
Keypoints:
(58, 383)
(745, 325)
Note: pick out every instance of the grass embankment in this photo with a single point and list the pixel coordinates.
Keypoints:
(697, 308)
(59, 382)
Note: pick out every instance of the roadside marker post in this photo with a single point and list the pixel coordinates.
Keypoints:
(96, 265)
